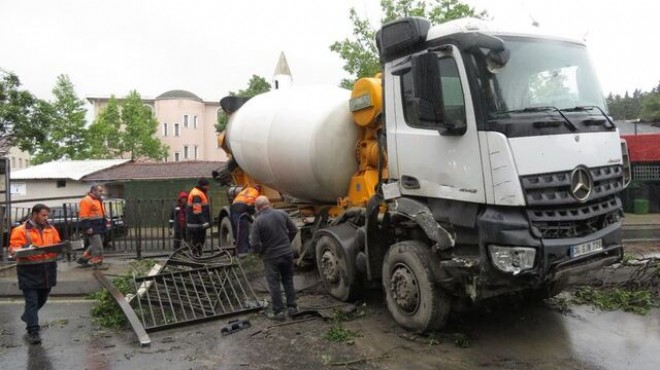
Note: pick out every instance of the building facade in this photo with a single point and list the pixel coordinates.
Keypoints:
(186, 125)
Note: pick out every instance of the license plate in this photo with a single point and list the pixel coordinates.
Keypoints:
(586, 248)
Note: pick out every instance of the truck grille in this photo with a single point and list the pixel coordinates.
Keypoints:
(554, 213)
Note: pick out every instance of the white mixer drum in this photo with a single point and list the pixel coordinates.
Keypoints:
(300, 141)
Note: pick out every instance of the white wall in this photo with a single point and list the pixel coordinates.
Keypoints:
(36, 189)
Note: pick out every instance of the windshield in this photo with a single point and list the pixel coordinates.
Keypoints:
(544, 73)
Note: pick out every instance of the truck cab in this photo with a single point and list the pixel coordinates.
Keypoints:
(504, 138)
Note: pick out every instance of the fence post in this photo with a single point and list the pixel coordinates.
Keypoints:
(138, 245)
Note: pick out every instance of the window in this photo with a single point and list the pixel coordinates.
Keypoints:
(165, 129)
(20, 163)
(176, 129)
(185, 152)
(452, 95)
(177, 156)
(195, 152)
(27, 163)
(194, 121)
(61, 183)
(185, 120)
(13, 162)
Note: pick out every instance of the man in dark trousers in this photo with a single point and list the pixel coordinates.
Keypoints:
(37, 274)
(242, 208)
(272, 233)
(198, 215)
(178, 220)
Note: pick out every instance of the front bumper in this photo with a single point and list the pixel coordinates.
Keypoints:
(510, 227)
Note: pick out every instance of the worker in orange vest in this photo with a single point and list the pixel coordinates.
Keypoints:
(242, 209)
(37, 274)
(198, 215)
(91, 218)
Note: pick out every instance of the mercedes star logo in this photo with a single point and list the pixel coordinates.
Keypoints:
(581, 184)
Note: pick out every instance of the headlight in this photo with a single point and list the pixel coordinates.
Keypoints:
(512, 259)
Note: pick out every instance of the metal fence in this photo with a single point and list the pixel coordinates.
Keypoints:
(138, 227)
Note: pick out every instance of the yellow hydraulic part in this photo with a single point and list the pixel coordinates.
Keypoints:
(367, 105)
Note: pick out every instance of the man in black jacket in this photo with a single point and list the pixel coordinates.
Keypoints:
(272, 233)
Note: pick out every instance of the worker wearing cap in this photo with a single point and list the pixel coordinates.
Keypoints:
(37, 274)
(242, 208)
(198, 215)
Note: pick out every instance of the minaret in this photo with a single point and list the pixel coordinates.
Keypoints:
(282, 76)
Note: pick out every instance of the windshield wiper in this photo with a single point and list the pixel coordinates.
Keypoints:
(571, 126)
(585, 108)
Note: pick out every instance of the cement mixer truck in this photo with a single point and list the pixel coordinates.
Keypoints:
(481, 162)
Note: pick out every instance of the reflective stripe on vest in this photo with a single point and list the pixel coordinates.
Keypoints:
(196, 207)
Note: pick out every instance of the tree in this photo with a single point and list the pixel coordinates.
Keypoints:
(65, 137)
(257, 85)
(104, 134)
(651, 108)
(139, 129)
(360, 53)
(23, 117)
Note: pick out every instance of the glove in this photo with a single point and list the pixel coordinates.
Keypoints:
(206, 225)
(29, 246)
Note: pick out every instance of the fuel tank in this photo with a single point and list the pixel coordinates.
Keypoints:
(300, 141)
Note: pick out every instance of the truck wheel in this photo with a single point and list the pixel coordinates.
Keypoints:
(413, 298)
(335, 270)
(225, 233)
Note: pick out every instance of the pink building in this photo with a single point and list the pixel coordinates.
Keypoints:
(187, 125)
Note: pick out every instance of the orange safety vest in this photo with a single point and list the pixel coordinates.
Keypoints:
(26, 234)
(91, 209)
(247, 196)
(196, 206)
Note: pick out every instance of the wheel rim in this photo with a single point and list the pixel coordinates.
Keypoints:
(330, 267)
(404, 289)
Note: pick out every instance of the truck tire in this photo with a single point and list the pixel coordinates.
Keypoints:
(413, 298)
(225, 233)
(335, 269)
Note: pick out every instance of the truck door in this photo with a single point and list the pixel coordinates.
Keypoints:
(431, 161)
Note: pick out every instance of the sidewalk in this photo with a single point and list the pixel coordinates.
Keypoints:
(72, 279)
(650, 219)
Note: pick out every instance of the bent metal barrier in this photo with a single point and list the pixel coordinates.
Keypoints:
(190, 289)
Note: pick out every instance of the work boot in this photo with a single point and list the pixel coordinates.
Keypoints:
(100, 266)
(275, 316)
(33, 337)
(292, 311)
(83, 261)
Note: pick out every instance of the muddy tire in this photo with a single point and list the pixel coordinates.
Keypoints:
(336, 271)
(413, 298)
(225, 233)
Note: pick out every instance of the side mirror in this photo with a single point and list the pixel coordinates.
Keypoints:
(427, 87)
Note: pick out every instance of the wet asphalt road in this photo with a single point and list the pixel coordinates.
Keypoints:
(533, 338)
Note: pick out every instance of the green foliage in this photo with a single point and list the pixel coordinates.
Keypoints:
(257, 85)
(462, 340)
(104, 136)
(360, 53)
(138, 137)
(637, 301)
(337, 333)
(650, 111)
(627, 259)
(65, 137)
(105, 311)
(24, 119)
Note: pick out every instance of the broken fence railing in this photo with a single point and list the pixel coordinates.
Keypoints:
(191, 289)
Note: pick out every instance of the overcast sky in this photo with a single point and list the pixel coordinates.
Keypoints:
(211, 47)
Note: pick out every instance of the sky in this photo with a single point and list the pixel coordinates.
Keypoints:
(211, 47)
